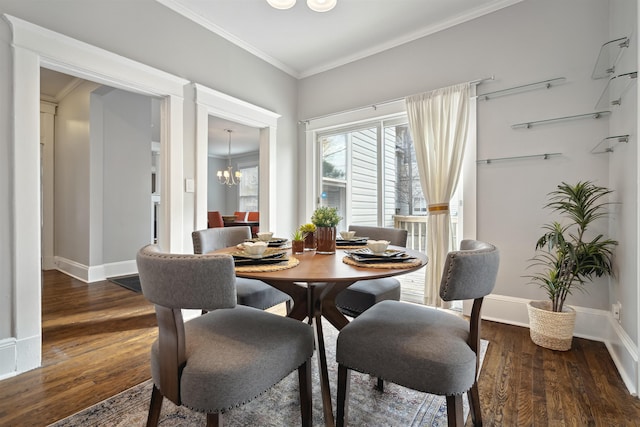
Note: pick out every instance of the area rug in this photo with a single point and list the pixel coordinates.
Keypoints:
(130, 282)
(397, 406)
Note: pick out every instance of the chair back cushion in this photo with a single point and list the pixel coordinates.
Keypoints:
(187, 281)
(395, 236)
(212, 239)
(214, 219)
(240, 216)
(471, 272)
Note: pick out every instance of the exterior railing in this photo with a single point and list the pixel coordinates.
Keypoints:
(416, 226)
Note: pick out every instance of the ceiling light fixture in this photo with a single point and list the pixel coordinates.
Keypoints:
(315, 5)
(227, 177)
(282, 4)
(321, 5)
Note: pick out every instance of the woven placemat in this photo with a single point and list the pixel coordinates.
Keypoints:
(291, 262)
(387, 265)
(350, 247)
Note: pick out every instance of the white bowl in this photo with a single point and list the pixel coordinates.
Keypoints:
(347, 235)
(255, 248)
(377, 246)
(265, 236)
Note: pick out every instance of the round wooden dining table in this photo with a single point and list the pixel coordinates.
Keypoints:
(313, 284)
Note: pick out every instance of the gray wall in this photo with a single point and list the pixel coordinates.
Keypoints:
(623, 172)
(127, 174)
(102, 175)
(221, 197)
(6, 184)
(72, 175)
(524, 43)
(530, 41)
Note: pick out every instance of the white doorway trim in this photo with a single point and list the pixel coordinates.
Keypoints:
(212, 102)
(35, 47)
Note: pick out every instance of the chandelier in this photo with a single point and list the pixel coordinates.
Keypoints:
(227, 177)
(315, 5)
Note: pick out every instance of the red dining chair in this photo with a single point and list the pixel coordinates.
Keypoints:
(215, 219)
(254, 216)
(240, 216)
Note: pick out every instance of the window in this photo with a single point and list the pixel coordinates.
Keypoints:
(248, 189)
(369, 173)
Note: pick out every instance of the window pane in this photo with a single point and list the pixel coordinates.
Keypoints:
(248, 189)
(334, 156)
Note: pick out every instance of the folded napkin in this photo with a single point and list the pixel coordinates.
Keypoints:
(390, 255)
(352, 242)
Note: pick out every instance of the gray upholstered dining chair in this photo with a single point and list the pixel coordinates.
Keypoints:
(251, 292)
(226, 357)
(360, 296)
(423, 348)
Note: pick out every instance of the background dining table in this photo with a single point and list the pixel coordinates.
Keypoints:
(314, 283)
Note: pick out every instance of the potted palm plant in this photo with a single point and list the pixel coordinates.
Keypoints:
(567, 259)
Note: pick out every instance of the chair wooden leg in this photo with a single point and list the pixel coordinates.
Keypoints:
(214, 420)
(306, 404)
(454, 411)
(474, 405)
(342, 399)
(154, 407)
(380, 385)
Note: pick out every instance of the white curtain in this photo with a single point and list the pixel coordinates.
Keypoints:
(438, 121)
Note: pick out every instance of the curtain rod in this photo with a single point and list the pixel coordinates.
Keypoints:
(377, 104)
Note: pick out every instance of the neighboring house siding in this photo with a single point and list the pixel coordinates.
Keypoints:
(390, 176)
(364, 172)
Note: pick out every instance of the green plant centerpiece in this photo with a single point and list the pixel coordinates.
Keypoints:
(568, 258)
(297, 242)
(326, 218)
(309, 231)
(297, 236)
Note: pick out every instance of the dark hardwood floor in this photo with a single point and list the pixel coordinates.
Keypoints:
(96, 343)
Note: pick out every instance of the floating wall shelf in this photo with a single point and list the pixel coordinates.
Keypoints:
(608, 143)
(545, 84)
(615, 89)
(608, 58)
(544, 156)
(528, 125)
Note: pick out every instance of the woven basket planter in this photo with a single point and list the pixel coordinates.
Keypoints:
(549, 329)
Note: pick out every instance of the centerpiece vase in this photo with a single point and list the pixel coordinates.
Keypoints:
(297, 246)
(310, 241)
(326, 240)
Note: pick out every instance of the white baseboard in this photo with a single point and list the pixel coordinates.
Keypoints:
(96, 273)
(18, 356)
(598, 325)
(8, 358)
